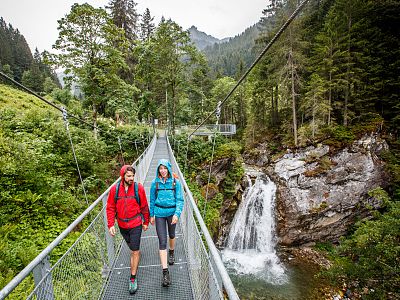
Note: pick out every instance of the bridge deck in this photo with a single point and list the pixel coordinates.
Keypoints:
(149, 274)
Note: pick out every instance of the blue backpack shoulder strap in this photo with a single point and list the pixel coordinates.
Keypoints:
(173, 188)
(137, 193)
(117, 190)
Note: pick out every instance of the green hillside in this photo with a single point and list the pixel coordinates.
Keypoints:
(40, 191)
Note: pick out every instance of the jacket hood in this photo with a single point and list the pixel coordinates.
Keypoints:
(123, 171)
(164, 162)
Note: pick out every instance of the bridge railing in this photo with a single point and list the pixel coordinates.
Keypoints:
(83, 269)
(209, 129)
(207, 272)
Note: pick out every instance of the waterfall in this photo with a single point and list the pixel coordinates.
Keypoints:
(251, 243)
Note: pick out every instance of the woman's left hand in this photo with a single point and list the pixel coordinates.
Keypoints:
(174, 219)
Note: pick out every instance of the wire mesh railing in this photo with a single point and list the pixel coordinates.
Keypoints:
(83, 270)
(80, 273)
(209, 129)
(208, 275)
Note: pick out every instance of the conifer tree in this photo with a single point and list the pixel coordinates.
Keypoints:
(146, 26)
(14, 50)
(125, 16)
(169, 54)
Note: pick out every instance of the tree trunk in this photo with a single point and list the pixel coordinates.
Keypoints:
(276, 104)
(173, 108)
(313, 118)
(95, 120)
(330, 98)
(291, 63)
(347, 91)
(294, 108)
(272, 108)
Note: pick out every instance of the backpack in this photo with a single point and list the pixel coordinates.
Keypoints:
(137, 198)
(173, 185)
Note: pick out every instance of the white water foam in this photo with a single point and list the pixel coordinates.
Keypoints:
(251, 244)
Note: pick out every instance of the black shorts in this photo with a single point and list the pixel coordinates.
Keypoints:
(132, 237)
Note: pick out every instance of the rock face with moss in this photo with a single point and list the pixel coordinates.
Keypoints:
(320, 194)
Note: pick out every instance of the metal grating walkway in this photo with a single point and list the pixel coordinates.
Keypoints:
(150, 272)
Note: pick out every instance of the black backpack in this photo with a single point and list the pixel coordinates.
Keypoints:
(173, 188)
(136, 192)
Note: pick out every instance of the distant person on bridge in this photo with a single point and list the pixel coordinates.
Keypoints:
(128, 203)
(166, 204)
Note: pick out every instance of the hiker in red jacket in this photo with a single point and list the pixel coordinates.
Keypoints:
(127, 203)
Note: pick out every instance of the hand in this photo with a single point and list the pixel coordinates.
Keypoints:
(144, 227)
(112, 230)
(152, 220)
(174, 220)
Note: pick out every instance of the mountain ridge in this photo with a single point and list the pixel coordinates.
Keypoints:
(225, 56)
(202, 39)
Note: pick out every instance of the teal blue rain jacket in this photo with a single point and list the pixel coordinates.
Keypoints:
(167, 202)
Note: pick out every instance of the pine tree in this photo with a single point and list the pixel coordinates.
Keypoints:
(14, 50)
(315, 103)
(164, 63)
(125, 16)
(146, 26)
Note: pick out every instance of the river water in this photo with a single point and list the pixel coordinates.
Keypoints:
(250, 253)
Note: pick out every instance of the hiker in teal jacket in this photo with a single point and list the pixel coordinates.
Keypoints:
(166, 204)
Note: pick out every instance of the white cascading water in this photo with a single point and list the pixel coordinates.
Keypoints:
(251, 244)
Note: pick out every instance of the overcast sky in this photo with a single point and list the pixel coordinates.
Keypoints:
(37, 19)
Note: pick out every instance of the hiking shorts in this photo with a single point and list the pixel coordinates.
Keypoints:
(132, 237)
(161, 227)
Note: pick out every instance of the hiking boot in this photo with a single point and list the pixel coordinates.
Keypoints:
(132, 286)
(171, 257)
(166, 280)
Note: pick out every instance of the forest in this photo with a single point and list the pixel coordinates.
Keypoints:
(332, 76)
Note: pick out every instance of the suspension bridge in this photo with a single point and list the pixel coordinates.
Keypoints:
(97, 265)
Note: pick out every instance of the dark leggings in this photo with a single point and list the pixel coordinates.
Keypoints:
(161, 227)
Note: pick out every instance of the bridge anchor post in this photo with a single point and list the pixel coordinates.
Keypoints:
(46, 290)
(109, 238)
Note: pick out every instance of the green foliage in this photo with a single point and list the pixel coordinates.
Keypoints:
(14, 50)
(62, 95)
(210, 210)
(231, 149)
(199, 156)
(166, 60)
(392, 159)
(369, 258)
(233, 177)
(40, 190)
(340, 135)
(224, 58)
(49, 85)
(91, 50)
(324, 246)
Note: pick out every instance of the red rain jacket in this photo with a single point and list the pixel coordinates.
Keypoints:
(126, 207)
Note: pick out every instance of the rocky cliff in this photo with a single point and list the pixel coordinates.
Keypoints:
(320, 193)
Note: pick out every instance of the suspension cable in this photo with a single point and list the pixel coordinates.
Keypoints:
(267, 47)
(186, 156)
(65, 116)
(120, 148)
(28, 90)
(43, 99)
(218, 114)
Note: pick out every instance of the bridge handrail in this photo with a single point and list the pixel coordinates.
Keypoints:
(42, 255)
(226, 280)
(210, 128)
